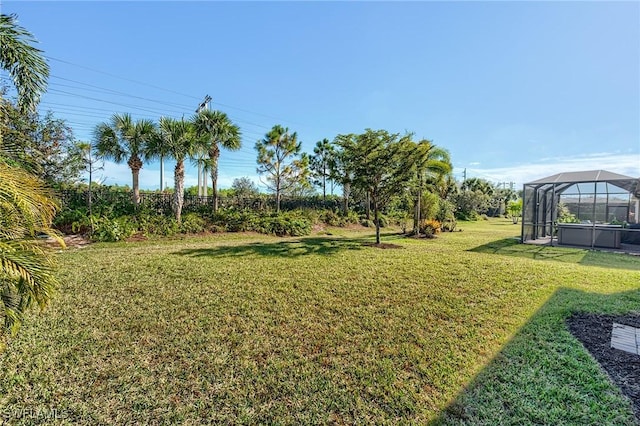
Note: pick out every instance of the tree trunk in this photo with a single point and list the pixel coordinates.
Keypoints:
(278, 194)
(346, 189)
(367, 206)
(417, 214)
(324, 186)
(135, 164)
(161, 173)
(178, 196)
(376, 214)
(213, 155)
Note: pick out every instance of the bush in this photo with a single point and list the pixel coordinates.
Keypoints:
(430, 227)
(283, 224)
(193, 223)
(110, 230)
(332, 218)
(157, 224)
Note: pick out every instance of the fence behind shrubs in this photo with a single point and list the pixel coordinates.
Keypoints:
(157, 201)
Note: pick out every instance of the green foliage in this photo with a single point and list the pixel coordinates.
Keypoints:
(446, 215)
(469, 204)
(111, 230)
(282, 224)
(26, 268)
(121, 139)
(280, 160)
(243, 188)
(157, 224)
(192, 223)
(379, 164)
(24, 62)
(42, 145)
(320, 164)
(515, 209)
(565, 215)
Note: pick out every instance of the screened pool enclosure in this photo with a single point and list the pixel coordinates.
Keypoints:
(592, 209)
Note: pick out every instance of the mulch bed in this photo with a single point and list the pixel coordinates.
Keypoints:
(594, 331)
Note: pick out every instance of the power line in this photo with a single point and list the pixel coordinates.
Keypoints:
(166, 90)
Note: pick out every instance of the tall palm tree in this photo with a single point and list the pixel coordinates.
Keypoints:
(431, 163)
(155, 148)
(25, 63)
(216, 130)
(121, 139)
(179, 138)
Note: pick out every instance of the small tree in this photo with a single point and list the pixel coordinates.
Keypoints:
(279, 158)
(515, 210)
(244, 188)
(323, 155)
(379, 167)
(84, 152)
(429, 163)
(340, 167)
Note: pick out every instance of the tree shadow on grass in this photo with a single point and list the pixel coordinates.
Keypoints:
(513, 247)
(285, 248)
(544, 375)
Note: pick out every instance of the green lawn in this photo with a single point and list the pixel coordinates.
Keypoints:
(467, 328)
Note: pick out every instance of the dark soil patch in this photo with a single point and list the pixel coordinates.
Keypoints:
(422, 236)
(71, 241)
(594, 331)
(138, 236)
(382, 245)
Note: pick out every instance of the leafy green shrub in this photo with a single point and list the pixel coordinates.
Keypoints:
(332, 218)
(282, 224)
(110, 230)
(236, 220)
(155, 224)
(72, 221)
(193, 223)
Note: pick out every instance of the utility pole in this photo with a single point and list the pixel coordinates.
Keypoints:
(202, 178)
(464, 175)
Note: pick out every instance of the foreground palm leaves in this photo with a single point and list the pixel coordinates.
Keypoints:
(26, 268)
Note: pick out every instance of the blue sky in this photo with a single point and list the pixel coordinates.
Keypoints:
(514, 90)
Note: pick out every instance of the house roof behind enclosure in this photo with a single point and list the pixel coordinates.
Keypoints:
(627, 182)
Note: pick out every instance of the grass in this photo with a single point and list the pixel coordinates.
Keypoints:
(467, 328)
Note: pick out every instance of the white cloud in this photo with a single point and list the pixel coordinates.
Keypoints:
(625, 164)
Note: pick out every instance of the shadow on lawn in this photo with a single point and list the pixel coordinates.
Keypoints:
(513, 247)
(284, 248)
(544, 375)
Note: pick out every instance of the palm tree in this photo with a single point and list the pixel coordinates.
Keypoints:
(179, 138)
(25, 63)
(26, 268)
(216, 130)
(431, 163)
(26, 205)
(155, 148)
(122, 139)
